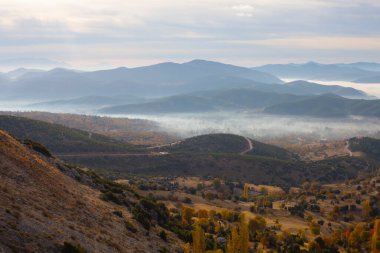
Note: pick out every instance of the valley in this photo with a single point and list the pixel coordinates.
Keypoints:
(277, 167)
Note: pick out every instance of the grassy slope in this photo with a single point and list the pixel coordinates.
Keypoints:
(58, 138)
(41, 208)
(253, 169)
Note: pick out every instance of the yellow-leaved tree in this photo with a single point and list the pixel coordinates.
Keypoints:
(238, 242)
(233, 242)
(245, 191)
(244, 236)
(199, 240)
(186, 248)
(375, 242)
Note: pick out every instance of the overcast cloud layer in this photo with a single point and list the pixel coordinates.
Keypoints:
(98, 34)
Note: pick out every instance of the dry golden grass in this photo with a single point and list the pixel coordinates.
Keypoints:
(40, 208)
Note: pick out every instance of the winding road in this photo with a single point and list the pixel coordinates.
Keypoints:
(347, 148)
(250, 146)
(102, 154)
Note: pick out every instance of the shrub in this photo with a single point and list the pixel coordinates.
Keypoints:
(163, 235)
(109, 196)
(187, 200)
(70, 248)
(130, 226)
(37, 147)
(118, 213)
(142, 216)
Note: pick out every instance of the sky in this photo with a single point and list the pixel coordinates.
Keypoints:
(93, 34)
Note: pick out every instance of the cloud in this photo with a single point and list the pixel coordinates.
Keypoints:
(217, 29)
(243, 10)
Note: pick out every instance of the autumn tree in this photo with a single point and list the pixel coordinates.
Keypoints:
(187, 215)
(244, 236)
(256, 224)
(202, 213)
(238, 242)
(233, 241)
(366, 208)
(216, 183)
(315, 228)
(186, 248)
(245, 193)
(375, 242)
(199, 240)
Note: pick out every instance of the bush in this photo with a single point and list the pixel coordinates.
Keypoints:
(38, 147)
(109, 196)
(142, 216)
(187, 200)
(163, 235)
(70, 248)
(118, 213)
(130, 226)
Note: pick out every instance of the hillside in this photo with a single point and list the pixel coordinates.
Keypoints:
(327, 105)
(61, 139)
(211, 143)
(309, 88)
(234, 167)
(228, 143)
(135, 131)
(368, 146)
(267, 150)
(89, 102)
(174, 104)
(43, 210)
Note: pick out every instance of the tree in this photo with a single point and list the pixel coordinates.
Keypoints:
(186, 248)
(202, 213)
(238, 242)
(245, 191)
(233, 242)
(366, 207)
(354, 240)
(244, 236)
(315, 228)
(263, 191)
(199, 240)
(216, 183)
(187, 215)
(256, 224)
(375, 242)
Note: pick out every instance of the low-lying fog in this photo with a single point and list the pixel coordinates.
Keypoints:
(261, 126)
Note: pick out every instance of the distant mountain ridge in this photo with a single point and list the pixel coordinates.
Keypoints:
(155, 80)
(317, 71)
(370, 79)
(328, 105)
(324, 105)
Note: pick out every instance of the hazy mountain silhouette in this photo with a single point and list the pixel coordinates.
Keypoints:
(370, 79)
(316, 71)
(326, 105)
(154, 80)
